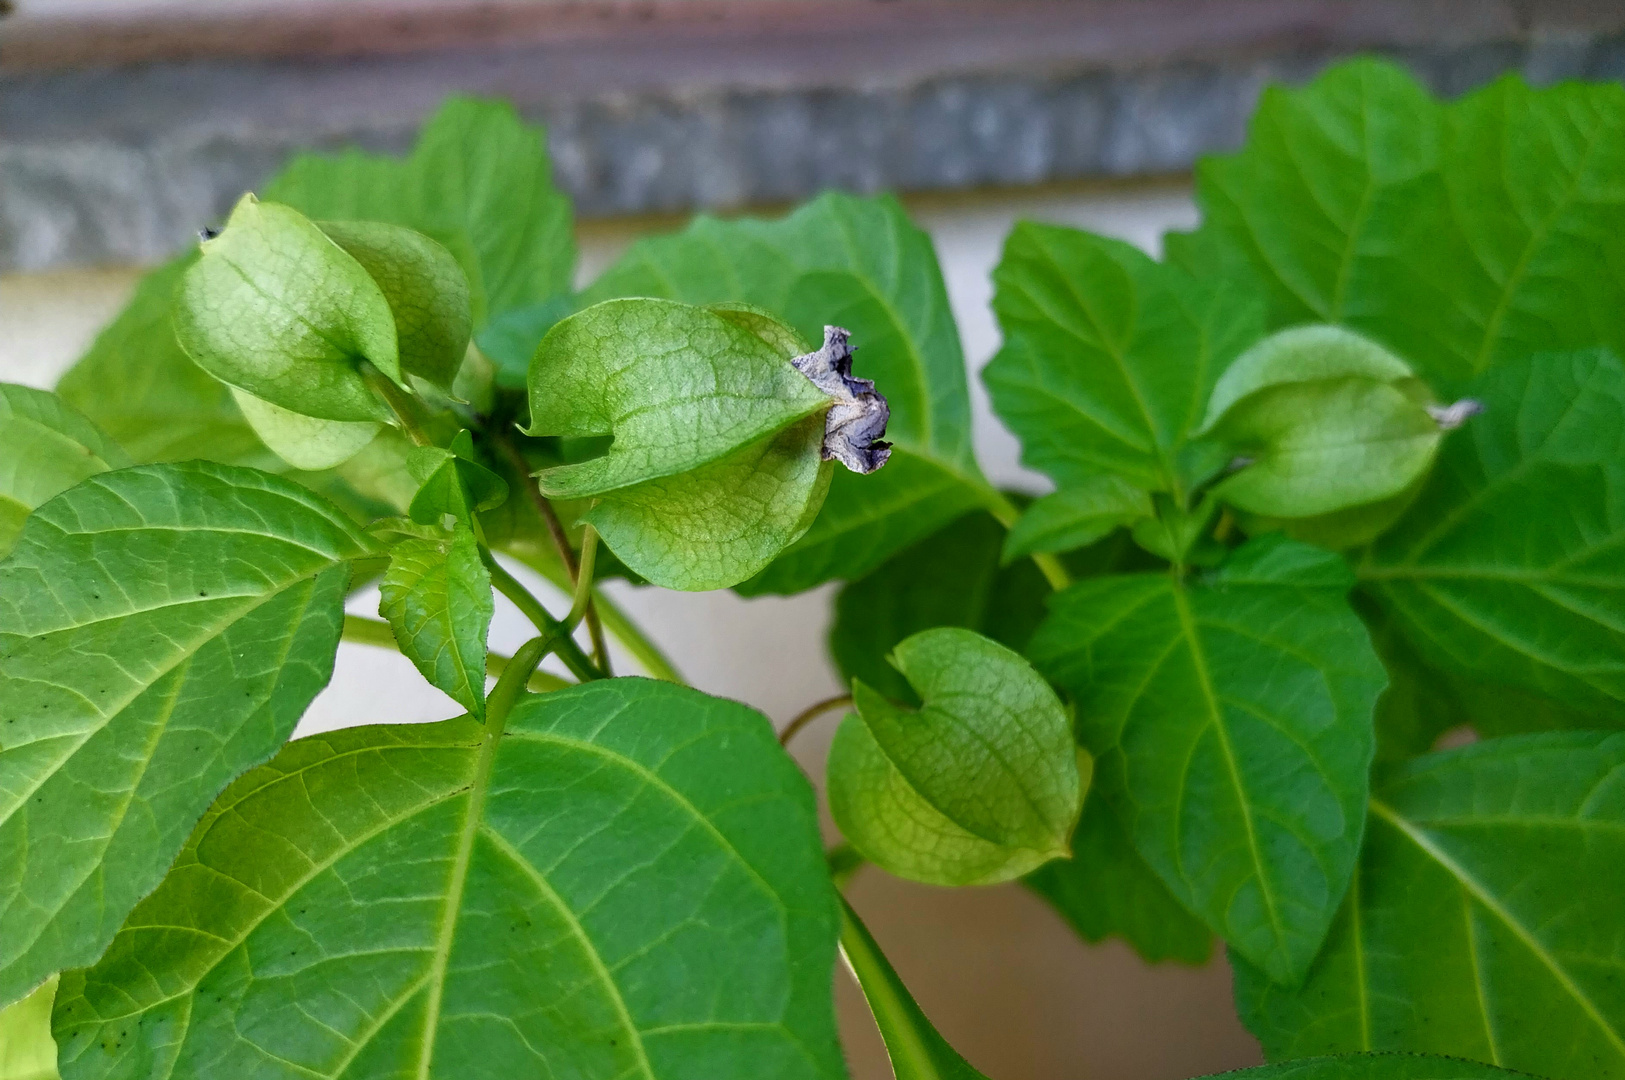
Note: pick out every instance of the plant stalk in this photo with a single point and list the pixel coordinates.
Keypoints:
(501, 700)
(583, 596)
(406, 409)
(570, 652)
(616, 622)
(561, 541)
(917, 1051)
(811, 713)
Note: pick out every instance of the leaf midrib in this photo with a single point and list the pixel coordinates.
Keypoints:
(455, 888)
(1116, 352)
(1188, 629)
(1471, 885)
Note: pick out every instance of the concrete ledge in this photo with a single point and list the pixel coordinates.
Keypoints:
(119, 139)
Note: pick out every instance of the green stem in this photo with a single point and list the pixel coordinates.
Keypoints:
(365, 631)
(570, 652)
(916, 1050)
(616, 621)
(406, 410)
(561, 543)
(499, 702)
(1006, 513)
(583, 596)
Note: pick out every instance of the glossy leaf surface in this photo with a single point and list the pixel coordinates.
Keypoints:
(162, 629)
(1484, 920)
(627, 882)
(980, 784)
(1231, 720)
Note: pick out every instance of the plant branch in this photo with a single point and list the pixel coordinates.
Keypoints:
(364, 631)
(570, 652)
(589, 557)
(1006, 513)
(561, 541)
(811, 713)
(512, 683)
(616, 622)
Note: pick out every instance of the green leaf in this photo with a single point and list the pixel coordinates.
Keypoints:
(677, 387)
(27, 1051)
(1457, 235)
(166, 408)
(979, 785)
(716, 525)
(1320, 420)
(628, 881)
(906, 595)
(1109, 358)
(436, 595)
(1105, 889)
(305, 442)
(1076, 516)
(276, 308)
(1231, 720)
(426, 290)
(915, 1048)
(162, 628)
(1484, 920)
(45, 448)
(1381, 1066)
(860, 264)
(478, 182)
(1508, 567)
(452, 482)
(1316, 448)
(716, 464)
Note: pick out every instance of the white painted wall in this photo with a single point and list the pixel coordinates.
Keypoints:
(1007, 982)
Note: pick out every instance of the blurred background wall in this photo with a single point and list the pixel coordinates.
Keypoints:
(127, 125)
